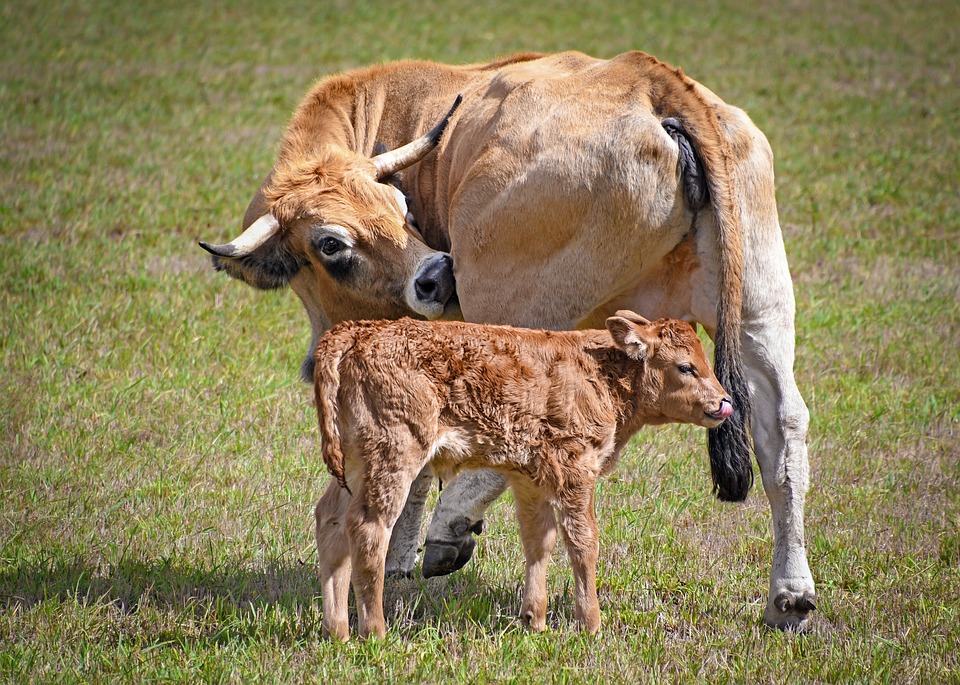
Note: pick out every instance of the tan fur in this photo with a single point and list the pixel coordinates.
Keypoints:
(551, 410)
(558, 197)
(492, 183)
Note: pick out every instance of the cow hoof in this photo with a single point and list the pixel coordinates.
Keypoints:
(441, 558)
(398, 573)
(790, 611)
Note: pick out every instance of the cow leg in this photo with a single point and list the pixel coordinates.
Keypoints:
(402, 552)
(538, 533)
(333, 560)
(779, 427)
(459, 514)
(581, 536)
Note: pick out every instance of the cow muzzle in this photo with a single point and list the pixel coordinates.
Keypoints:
(432, 286)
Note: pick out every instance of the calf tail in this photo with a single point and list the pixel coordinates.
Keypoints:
(701, 137)
(330, 351)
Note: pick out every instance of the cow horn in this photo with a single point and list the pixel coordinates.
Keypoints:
(256, 235)
(391, 162)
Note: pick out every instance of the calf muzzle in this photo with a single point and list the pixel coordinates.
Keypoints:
(724, 412)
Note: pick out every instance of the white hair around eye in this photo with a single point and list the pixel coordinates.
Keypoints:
(339, 232)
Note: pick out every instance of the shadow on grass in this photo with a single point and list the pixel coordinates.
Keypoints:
(163, 583)
(232, 602)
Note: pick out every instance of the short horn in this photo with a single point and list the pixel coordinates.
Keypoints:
(256, 235)
(391, 162)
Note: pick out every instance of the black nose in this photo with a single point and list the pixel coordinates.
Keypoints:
(435, 283)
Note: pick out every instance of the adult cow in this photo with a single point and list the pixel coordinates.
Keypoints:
(563, 189)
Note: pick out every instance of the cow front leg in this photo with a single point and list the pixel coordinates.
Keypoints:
(333, 560)
(402, 552)
(538, 533)
(779, 426)
(459, 514)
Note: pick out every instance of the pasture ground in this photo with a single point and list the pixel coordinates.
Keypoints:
(158, 456)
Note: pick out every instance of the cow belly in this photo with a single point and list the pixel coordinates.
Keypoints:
(682, 285)
(546, 251)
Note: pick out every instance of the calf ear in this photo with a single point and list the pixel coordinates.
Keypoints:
(631, 316)
(631, 338)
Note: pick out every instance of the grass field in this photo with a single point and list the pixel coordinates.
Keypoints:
(159, 458)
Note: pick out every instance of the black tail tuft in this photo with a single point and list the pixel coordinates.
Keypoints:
(730, 463)
(729, 444)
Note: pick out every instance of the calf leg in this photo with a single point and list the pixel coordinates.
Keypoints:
(580, 534)
(333, 560)
(538, 533)
(371, 514)
(459, 514)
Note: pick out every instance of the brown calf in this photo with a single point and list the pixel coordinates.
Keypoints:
(550, 410)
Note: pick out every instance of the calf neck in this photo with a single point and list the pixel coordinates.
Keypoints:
(550, 410)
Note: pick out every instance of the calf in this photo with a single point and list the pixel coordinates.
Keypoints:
(550, 410)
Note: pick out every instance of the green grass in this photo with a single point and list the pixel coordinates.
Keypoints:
(158, 456)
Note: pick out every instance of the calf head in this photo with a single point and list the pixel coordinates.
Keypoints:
(333, 216)
(673, 376)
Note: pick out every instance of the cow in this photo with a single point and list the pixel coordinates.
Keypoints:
(562, 189)
(549, 410)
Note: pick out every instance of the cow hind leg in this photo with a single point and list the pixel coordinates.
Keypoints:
(538, 533)
(779, 425)
(458, 515)
(333, 560)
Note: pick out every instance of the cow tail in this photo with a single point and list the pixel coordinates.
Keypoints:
(330, 352)
(729, 444)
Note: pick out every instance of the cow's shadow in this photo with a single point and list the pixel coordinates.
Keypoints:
(233, 599)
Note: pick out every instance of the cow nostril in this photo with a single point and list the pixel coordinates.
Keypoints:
(426, 288)
(435, 282)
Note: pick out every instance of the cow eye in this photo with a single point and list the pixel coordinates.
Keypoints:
(686, 369)
(330, 246)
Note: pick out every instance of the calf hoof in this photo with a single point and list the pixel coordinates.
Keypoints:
(790, 611)
(336, 632)
(533, 622)
(441, 557)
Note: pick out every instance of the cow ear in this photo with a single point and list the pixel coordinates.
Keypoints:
(631, 338)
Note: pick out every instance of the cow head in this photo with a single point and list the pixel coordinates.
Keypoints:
(333, 220)
(674, 375)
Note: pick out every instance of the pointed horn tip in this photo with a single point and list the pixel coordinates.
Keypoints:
(446, 120)
(393, 161)
(441, 127)
(217, 250)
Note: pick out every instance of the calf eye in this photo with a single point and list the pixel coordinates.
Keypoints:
(330, 246)
(686, 369)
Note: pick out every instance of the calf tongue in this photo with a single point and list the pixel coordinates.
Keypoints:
(724, 412)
